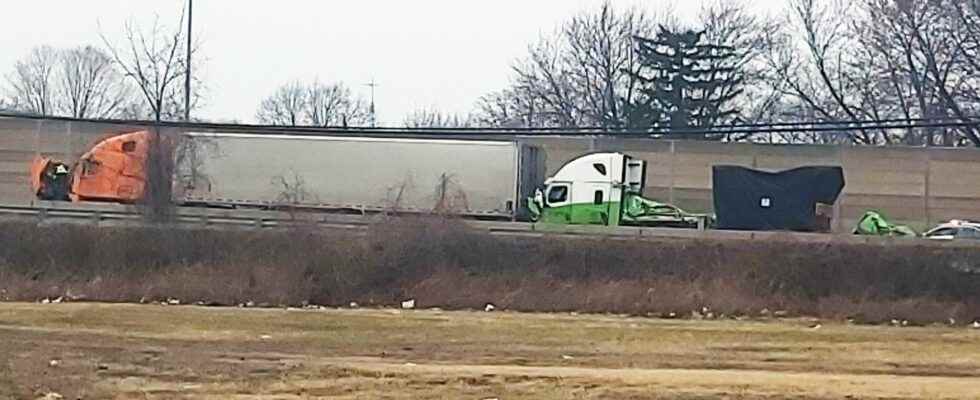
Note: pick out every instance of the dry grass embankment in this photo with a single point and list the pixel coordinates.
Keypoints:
(125, 351)
(440, 263)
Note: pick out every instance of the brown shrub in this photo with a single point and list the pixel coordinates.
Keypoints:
(441, 263)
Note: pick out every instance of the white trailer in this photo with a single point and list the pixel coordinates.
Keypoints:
(488, 179)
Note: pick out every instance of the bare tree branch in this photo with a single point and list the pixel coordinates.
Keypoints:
(432, 118)
(32, 82)
(315, 104)
(153, 61)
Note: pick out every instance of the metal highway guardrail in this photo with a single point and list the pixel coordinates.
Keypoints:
(109, 215)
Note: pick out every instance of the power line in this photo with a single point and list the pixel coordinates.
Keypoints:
(816, 127)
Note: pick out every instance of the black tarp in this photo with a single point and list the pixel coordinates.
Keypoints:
(748, 199)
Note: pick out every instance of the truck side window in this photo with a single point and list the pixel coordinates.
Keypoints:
(557, 194)
(598, 197)
(600, 168)
(90, 167)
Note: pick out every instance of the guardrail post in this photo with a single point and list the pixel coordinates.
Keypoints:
(97, 217)
(42, 214)
(205, 219)
(258, 222)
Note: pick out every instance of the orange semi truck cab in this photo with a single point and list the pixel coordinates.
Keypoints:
(113, 170)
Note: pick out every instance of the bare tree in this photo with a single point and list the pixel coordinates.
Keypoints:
(89, 86)
(509, 108)
(285, 107)
(941, 34)
(154, 60)
(314, 104)
(32, 86)
(80, 82)
(882, 60)
(581, 76)
(731, 23)
(824, 82)
(432, 118)
(334, 105)
(588, 73)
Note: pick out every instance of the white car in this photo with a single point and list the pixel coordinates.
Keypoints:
(955, 229)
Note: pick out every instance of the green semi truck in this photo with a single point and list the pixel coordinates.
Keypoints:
(605, 189)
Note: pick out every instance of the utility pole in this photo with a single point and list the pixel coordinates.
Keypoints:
(374, 118)
(187, 78)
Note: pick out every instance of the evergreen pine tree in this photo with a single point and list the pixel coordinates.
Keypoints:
(685, 82)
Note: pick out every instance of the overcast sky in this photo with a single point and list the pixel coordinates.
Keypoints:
(440, 54)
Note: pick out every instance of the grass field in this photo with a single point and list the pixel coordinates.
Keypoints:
(89, 351)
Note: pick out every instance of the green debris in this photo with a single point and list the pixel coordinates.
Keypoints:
(643, 211)
(875, 224)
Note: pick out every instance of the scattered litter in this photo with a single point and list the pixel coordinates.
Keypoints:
(54, 363)
(265, 337)
(573, 313)
(353, 304)
(671, 315)
(490, 398)
(567, 357)
(696, 315)
(52, 396)
(817, 326)
(46, 301)
(435, 309)
(58, 300)
(905, 322)
(408, 304)
(976, 325)
(408, 364)
(173, 302)
(489, 307)
(69, 296)
(781, 313)
(951, 321)
(896, 322)
(249, 303)
(102, 367)
(765, 312)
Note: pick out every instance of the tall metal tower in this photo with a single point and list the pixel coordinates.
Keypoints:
(373, 116)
